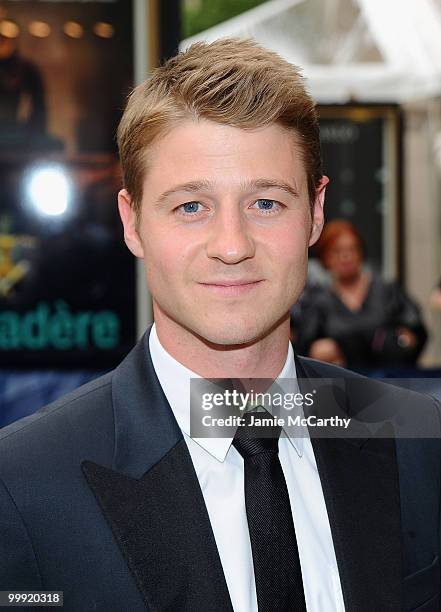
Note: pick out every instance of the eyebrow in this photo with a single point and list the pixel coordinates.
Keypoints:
(191, 186)
(251, 185)
(271, 184)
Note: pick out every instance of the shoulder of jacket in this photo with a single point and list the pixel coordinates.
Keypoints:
(419, 395)
(92, 393)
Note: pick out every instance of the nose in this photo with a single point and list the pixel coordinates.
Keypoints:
(230, 240)
(348, 254)
(345, 255)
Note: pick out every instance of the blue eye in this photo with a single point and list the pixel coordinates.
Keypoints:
(266, 205)
(190, 207)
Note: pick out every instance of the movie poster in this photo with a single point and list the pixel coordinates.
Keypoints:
(67, 281)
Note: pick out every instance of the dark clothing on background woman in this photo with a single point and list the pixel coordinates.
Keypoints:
(367, 337)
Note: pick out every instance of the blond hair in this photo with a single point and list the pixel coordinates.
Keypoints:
(229, 81)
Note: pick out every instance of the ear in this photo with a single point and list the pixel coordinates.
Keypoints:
(128, 218)
(318, 218)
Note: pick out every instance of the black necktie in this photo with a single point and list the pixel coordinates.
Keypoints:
(277, 571)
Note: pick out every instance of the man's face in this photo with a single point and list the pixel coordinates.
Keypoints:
(224, 229)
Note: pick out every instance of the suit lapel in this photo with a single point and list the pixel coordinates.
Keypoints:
(360, 485)
(152, 500)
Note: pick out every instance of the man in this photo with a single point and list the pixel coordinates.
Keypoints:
(106, 496)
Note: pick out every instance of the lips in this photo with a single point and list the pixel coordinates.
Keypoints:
(232, 283)
(231, 288)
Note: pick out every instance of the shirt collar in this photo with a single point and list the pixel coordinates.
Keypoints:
(175, 382)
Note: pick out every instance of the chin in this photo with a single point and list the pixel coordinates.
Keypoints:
(234, 333)
(227, 335)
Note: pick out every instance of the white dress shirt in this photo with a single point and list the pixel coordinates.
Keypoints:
(220, 471)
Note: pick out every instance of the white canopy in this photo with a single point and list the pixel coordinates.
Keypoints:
(360, 50)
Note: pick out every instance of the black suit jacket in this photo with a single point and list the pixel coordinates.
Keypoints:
(99, 499)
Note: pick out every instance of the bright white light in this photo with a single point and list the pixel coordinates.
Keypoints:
(49, 191)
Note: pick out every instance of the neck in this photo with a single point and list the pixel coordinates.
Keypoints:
(262, 358)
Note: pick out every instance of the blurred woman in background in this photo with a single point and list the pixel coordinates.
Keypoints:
(358, 319)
